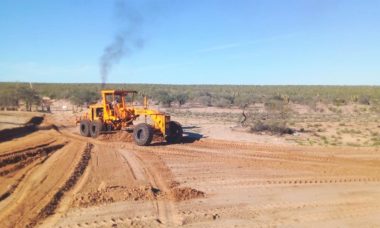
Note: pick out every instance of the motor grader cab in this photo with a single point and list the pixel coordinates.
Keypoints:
(117, 112)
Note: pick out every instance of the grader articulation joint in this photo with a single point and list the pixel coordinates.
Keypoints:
(117, 112)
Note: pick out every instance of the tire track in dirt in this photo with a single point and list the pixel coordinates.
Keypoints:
(38, 186)
(238, 184)
(177, 156)
(23, 163)
(226, 156)
(19, 160)
(11, 189)
(50, 208)
(321, 151)
(133, 163)
(141, 172)
(326, 170)
(335, 153)
(166, 211)
(304, 212)
(113, 181)
(5, 154)
(289, 156)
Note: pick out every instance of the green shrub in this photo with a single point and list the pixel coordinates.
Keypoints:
(364, 99)
(81, 97)
(164, 98)
(181, 98)
(273, 127)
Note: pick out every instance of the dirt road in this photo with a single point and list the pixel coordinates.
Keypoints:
(54, 177)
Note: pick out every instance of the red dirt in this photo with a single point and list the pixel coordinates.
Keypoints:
(186, 193)
(207, 183)
(116, 136)
(113, 194)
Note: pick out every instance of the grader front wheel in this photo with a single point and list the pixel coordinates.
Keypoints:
(174, 134)
(143, 134)
(95, 128)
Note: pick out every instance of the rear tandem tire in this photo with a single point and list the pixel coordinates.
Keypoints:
(174, 134)
(84, 128)
(95, 128)
(143, 134)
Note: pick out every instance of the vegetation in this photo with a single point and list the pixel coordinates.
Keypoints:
(207, 95)
(15, 95)
(84, 97)
(273, 127)
(340, 116)
(164, 98)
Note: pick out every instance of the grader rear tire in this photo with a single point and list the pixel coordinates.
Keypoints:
(95, 128)
(84, 128)
(174, 134)
(143, 134)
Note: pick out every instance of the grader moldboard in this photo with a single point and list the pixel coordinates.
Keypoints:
(117, 112)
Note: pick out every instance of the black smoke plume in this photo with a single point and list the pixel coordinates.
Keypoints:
(126, 40)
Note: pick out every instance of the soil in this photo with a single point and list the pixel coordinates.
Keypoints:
(53, 177)
(186, 193)
(116, 136)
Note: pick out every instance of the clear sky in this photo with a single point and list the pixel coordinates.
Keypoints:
(194, 42)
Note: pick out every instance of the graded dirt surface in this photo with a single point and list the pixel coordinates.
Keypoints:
(53, 177)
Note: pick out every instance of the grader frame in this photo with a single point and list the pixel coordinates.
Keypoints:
(117, 111)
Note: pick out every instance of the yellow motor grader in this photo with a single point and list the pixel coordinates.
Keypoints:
(117, 112)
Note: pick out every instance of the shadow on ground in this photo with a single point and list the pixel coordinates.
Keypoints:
(190, 127)
(188, 137)
(28, 128)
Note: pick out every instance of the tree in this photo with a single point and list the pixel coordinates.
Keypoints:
(165, 98)
(181, 98)
(205, 98)
(231, 97)
(277, 107)
(29, 96)
(364, 99)
(80, 97)
(8, 97)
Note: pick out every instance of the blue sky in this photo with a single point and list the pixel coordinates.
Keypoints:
(195, 42)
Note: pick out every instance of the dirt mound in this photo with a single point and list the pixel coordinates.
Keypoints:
(186, 193)
(23, 155)
(29, 127)
(114, 193)
(116, 136)
(37, 120)
(17, 160)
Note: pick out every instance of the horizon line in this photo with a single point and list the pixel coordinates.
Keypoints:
(191, 84)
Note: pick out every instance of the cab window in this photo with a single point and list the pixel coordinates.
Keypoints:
(129, 98)
(109, 98)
